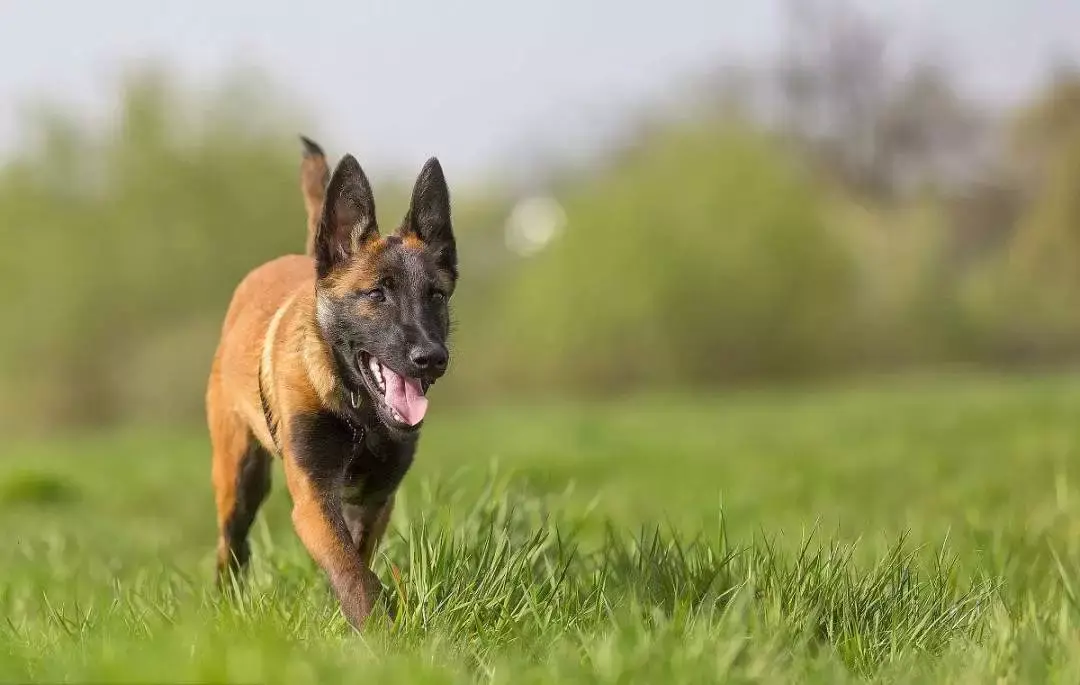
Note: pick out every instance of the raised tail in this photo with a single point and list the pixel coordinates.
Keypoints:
(314, 175)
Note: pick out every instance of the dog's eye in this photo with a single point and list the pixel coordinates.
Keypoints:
(438, 296)
(375, 295)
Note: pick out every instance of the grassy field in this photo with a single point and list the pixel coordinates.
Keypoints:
(910, 530)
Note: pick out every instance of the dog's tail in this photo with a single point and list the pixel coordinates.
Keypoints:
(314, 175)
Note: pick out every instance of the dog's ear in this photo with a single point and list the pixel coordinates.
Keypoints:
(348, 219)
(429, 214)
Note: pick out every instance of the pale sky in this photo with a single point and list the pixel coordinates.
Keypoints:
(472, 80)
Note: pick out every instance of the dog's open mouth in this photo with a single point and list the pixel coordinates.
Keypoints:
(399, 399)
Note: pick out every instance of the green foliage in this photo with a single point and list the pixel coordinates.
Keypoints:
(1027, 298)
(701, 257)
(129, 241)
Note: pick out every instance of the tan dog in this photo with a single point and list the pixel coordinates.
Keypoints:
(325, 360)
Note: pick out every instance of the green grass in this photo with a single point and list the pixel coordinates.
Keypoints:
(909, 531)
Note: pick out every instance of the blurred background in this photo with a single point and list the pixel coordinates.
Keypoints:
(688, 196)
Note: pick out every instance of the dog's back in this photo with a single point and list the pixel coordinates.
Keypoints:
(234, 376)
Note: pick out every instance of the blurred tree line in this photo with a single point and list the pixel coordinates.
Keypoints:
(831, 212)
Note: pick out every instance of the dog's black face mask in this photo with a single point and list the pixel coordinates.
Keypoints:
(383, 303)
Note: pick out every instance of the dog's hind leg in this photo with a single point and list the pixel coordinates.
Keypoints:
(241, 476)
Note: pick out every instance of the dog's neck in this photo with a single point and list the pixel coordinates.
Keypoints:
(319, 363)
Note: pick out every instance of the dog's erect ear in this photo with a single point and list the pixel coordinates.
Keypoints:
(429, 214)
(348, 219)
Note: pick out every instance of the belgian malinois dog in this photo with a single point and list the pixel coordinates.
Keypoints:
(325, 359)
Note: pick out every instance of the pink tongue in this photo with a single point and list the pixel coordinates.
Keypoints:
(405, 396)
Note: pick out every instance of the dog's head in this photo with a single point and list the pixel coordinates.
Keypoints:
(382, 302)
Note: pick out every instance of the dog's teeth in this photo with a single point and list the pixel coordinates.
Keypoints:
(376, 371)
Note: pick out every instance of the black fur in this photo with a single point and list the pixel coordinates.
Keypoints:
(252, 487)
(323, 445)
(362, 467)
(348, 218)
(311, 148)
(379, 467)
(429, 215)
(414, 312)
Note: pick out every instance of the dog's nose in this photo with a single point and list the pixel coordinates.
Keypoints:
(429, 357)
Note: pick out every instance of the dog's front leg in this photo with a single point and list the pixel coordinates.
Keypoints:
(319, 522)
(367, 524)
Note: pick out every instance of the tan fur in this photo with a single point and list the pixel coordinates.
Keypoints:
(272, 319)
(234, 384)
(412, 242)
(359, 274)
(350, 574)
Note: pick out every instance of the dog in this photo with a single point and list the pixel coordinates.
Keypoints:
(325, 360)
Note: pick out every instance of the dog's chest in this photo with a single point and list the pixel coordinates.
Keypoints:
(373, 474)
(361, 465)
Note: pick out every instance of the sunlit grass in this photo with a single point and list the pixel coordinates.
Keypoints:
(693, 548)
